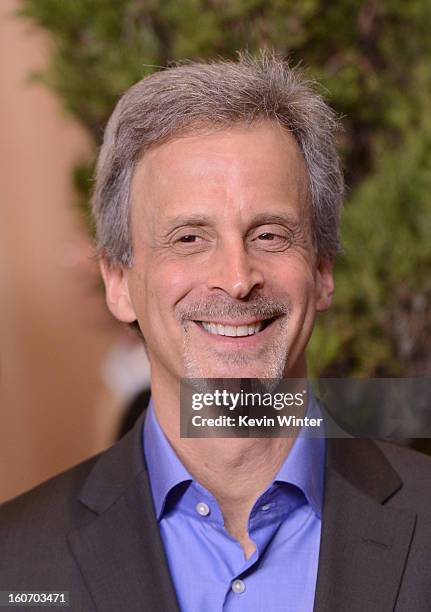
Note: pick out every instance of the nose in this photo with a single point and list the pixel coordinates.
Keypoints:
(234, 271)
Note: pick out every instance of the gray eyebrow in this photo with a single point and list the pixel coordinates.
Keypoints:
(188, 219)
(199, 220)
(263, 218)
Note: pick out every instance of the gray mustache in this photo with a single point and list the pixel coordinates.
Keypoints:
(262, 308)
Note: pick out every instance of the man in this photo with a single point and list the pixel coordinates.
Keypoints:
(217, 200)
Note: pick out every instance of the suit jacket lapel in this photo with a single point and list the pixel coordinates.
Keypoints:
(364, 543)
(119, 551)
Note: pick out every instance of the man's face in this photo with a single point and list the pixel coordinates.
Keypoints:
(225, 282)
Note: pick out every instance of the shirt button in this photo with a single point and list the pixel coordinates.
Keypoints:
(238, 586)
(202, 509)
(265, 507)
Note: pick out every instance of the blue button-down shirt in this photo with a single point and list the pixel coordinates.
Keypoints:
(207, 565)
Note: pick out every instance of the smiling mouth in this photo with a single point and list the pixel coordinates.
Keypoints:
(234, 331)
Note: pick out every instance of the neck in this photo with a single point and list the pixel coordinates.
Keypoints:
(251, 463)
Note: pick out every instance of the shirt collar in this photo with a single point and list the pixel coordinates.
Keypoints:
(303, 467)
(164, 467)
(305, 464)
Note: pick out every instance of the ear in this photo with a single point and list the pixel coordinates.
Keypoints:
(324, 285)
(117, 291)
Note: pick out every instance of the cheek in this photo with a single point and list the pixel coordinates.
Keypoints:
(297, 280)
(168, 284)
(299, 286)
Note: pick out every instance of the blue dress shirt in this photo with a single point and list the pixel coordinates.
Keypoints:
(207, 565)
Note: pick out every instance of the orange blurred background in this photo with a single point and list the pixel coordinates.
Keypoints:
(60, 400)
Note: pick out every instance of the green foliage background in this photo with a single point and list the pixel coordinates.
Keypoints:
(373, 59)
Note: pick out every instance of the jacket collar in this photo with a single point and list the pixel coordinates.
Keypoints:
(117, 469)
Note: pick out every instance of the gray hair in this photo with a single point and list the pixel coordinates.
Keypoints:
(179, 99)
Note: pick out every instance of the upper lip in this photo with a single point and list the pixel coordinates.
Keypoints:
(234, 323)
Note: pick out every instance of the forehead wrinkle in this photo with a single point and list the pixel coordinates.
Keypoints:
(234, 191)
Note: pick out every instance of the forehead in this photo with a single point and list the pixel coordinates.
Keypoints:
(245, 167)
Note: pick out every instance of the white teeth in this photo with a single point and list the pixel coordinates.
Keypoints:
(231, 330)
(242, 330)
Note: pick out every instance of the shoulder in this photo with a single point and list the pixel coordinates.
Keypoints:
(413, 494)
(389, 473)
(50, 506)
(411, 465)
(414, 470)
(36, 527)
(71, 498)
(33, 535)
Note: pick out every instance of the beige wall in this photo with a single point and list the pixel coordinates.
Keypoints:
(54, 330)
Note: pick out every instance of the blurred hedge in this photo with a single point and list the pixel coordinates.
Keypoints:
(373, 59)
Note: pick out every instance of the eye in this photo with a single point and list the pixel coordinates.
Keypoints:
(188, 238)
(185, 243)
(267, 236)
(279, 239)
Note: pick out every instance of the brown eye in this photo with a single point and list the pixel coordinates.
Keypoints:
(188, 238)
(276, 241)
(190, 244)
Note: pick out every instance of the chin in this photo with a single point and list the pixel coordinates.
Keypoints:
(230, 371)
(270, 363)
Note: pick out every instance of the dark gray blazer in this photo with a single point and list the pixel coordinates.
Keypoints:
(92, 531)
